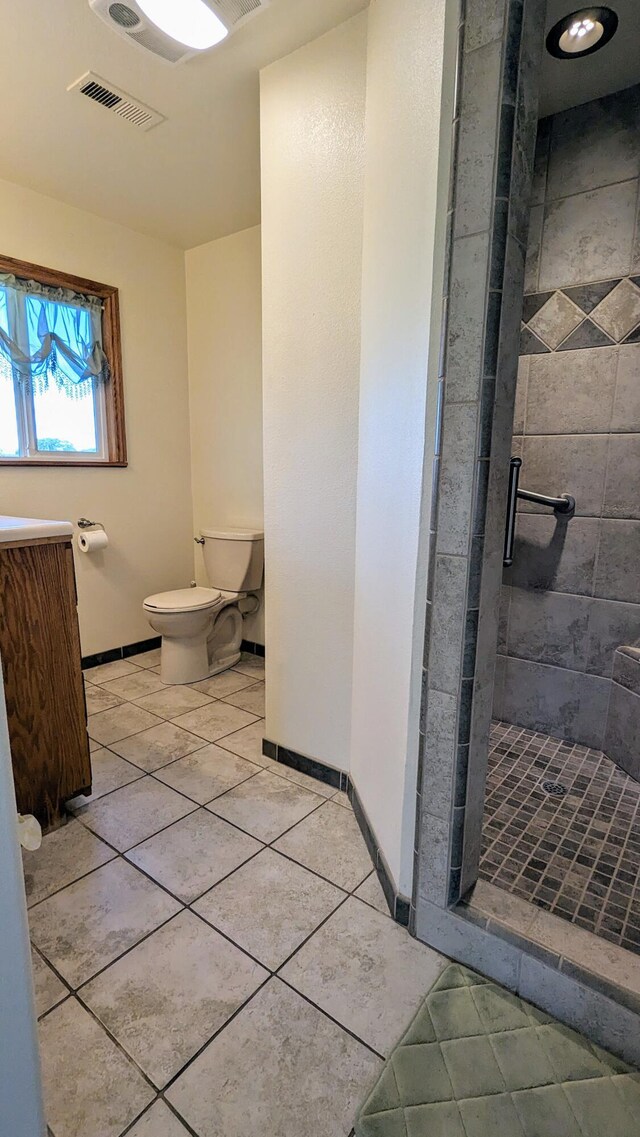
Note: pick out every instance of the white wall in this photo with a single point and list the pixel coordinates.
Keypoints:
(403, 231)
(312, 133)
(224, 297)
(146, 508)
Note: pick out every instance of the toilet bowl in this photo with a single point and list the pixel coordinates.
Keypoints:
(201, 628)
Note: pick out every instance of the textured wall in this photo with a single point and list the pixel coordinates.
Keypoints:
(573, 593)
(312, 122)
(146, 508)
(403, 228)
(224, 321)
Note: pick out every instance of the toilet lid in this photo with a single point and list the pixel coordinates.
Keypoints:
(183, 600)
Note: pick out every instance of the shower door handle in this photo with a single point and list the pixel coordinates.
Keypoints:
(512, 501)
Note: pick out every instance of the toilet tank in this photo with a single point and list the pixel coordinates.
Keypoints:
(233, 558)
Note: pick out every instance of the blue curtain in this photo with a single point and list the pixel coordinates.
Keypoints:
(51, 335)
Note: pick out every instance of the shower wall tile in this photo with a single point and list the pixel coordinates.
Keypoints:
(457, 474)
(619, 312)
(447, 622)
(550, 627)
(568, 704)
(623, 730)
(568, 463)
(484, 23)
(626, 668)
(577, 247)
(532, 266)
(520, 408)
(626, 407)
(541, 162)
(612, 624)
(595, 144)
(469, 263)
(477, 140)
(617, 575)
(622, 490)
(555, 553)
(571, 393)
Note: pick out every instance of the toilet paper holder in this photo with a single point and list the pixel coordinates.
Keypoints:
(84, 523)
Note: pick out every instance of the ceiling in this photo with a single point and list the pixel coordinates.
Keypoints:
(568, 82)
(196, 176)
(193, 178)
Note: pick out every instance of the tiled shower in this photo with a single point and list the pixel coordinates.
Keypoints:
(562, 826)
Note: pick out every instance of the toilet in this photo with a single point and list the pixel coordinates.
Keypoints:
(201, 628)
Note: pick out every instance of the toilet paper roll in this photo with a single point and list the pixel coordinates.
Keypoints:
(93, 541)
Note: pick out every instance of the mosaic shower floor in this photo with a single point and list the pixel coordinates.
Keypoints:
(574, 852)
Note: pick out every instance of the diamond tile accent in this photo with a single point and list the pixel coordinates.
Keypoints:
(587, 334)
(619, 312)
(530, 344)
(555, 320)
(512, 1076)
(588, 296)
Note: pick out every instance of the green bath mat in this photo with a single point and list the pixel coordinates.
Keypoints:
(479, 1062)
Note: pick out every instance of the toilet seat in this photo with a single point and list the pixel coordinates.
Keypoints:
(183, 600)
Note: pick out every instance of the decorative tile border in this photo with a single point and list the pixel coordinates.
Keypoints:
(399, 905)
(120, 652)
(588, 315)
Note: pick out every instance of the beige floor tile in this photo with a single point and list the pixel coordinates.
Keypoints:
(48, 989)
(223, 684)
(65, 855)
(247, 742)
(252, 665)
(134, 686)
(91, 1088)
(342, 798)
(135, 812)
(284, 771)
(366, 972)
(280, 1069)
(330, 842)
(265, 805)
(94, 745)
(90, 923)
(147, 658)
(106, 671)
(249, 699)
(194, 854)
(110, 726)
(158, 1121)
(215, 720)
(207, 773)
(110, 772)
(164, 999)
(100, 700)
(269, 906)
(171, 702)
(371, 892)
(154, 748)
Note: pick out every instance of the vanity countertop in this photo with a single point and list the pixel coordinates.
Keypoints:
(14, 529)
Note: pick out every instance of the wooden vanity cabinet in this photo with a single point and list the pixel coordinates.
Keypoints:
(44, 690)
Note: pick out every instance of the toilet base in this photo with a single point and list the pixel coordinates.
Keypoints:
(225, 664)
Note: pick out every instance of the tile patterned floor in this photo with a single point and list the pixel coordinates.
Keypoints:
(208, 936)
(578, 855)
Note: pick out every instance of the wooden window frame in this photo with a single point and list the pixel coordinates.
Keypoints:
(112, 346)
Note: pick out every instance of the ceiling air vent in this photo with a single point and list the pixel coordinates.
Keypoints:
(118, 102)
(130, 22)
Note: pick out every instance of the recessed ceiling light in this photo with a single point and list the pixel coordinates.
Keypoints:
(581, 33)
(188, 21)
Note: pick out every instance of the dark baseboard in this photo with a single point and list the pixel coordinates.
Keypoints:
(318, 770)
(398, 905)
(252, 648)
(120, 652)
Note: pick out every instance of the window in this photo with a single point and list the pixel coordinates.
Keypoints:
(60, 369)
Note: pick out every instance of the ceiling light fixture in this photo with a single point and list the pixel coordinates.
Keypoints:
(190, 22)
(582, 32)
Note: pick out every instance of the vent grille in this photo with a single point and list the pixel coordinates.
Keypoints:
(166, 48)
(124, 16)
(117, 101)
(232, 11)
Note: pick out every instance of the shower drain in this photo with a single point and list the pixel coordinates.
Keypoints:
(556, 789)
